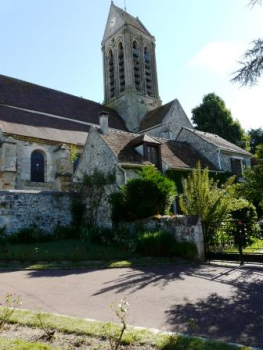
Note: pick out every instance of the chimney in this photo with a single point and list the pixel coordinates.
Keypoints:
(104, 122)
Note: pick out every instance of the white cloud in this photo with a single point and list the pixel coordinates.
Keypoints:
(218, 57)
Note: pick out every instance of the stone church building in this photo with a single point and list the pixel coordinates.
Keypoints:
(40, 127)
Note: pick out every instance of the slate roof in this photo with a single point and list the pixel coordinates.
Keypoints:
(27, 124)
(218, 141)
(178, 155)
(37, 98)
(120, 144)
(155, 116)
(132, 21)
(182, 155)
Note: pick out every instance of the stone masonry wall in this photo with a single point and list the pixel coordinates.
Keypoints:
(184, 229)
(46, 210)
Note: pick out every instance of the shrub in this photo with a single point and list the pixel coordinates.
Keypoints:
(150, 194)
(162, 243)
(100, 235)
(3, 236)
(29, 235)
(65, 232)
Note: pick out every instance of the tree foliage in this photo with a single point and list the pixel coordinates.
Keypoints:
(150, 194)
(202, 197)
(252, 61)
(252, 188)
(213, 116)
(256, 138)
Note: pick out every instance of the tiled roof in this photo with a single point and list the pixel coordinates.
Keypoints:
(120, 144)
(219, 142)
(33, 97)
(17, 122)
(155, 116)
(144, 138)
(178, 155)
(135, 22)
(181, 155)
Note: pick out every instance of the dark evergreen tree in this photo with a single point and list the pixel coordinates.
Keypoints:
(213, 116)
(256, 138)
(252, 61)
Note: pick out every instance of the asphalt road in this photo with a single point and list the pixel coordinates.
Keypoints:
(226, 303)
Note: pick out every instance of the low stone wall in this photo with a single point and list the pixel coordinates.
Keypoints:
(184, 229)
(46, 210)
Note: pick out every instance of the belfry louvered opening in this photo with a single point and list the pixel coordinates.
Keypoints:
(121, 67)
(148, 73)
(136, 65)
(111, 73)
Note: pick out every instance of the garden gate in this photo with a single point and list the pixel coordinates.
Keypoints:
(232, 241)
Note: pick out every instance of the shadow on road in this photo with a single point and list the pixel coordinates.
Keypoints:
(238, 318)
(139, 278)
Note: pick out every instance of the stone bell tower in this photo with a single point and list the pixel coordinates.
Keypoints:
(130, 74)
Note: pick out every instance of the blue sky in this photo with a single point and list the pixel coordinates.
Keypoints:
(56, 43)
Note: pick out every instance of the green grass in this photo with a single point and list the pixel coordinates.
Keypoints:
(9, 344)
(73, 250)
(98, 330)
(144, 261)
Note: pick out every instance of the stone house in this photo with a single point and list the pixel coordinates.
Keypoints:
(123, 154)
(41, 127)
(224, 155)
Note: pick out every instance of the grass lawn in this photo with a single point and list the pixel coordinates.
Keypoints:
(95, 335)
(73, 250)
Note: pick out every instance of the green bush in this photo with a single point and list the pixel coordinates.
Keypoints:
(162, 243)
(100, 235)
(150, 194)
(65, 232)
(3, 236)
(29, 235)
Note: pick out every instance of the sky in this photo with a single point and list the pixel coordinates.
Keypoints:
(57, 44)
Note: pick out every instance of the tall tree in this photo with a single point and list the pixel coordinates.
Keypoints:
(256, 138)
(213, 116)
(252, 61)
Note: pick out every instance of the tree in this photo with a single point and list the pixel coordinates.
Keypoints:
(256, 138)
(202, 197)
(150, 194)
(213, 116)
(252, 188)
(252, 61)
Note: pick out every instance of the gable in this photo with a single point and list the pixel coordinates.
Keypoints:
(171, 116)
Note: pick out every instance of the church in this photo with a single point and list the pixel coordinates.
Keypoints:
(50, 138)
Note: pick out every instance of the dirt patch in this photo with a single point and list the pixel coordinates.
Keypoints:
(62, 340)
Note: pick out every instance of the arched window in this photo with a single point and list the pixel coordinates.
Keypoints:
(111, 73)
(148, 73)
(37, 167)
(136, 66)
(121, 67)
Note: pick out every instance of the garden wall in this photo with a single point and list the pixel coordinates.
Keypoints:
(184, 229)
(46, 210)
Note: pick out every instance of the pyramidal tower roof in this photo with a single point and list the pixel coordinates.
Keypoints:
(118, 17)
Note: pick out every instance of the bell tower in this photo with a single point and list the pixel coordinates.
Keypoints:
(130, 74)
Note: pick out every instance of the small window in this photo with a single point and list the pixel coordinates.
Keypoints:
(151, 153)
(236, 167)
(37, 167)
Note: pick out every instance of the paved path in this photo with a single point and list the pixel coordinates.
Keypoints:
(227, 303)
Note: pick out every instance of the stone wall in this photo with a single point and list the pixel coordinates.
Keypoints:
(184, 229)
(46, 210)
